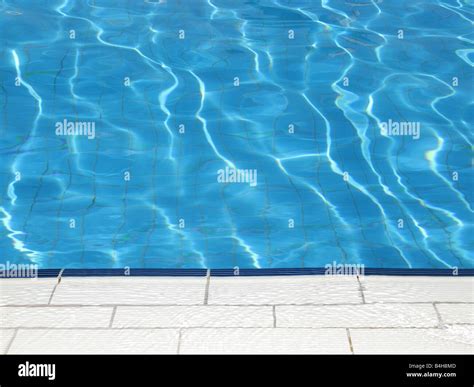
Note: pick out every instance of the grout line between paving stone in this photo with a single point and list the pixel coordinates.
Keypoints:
(114, 311)
(11, 340)
(438, 314)
(55, 286)
(241, 305)
(208, 280)
(351, 347)
(178, 350)
(236, 327)
(361, 289)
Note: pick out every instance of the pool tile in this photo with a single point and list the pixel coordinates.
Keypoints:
(6, 336)
(26, 291)
(97, 341)
(456, 313)
(59, 317)
(411, 341)
(345, 316)
(284, 290)
(193, 316)
(264, 341)
(132, 290)
(418, 289)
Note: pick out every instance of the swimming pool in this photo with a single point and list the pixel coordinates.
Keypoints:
(212, 134)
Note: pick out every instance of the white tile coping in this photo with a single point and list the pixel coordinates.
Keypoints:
(350, 316)
(87, 341)
(131, 290)
(55, 317)
(288, 314)
(264, 341)
(284, 290)
(411, 341)
(193, 316)
(6, 336)
(418, 289)
(456, 313)
(26, 290)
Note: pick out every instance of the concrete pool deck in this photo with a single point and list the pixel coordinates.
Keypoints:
(278, 314)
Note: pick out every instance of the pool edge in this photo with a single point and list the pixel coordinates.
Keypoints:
(140, 272)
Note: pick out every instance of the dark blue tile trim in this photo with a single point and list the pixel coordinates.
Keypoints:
(134, 272)
(322, 271)
(44, 273)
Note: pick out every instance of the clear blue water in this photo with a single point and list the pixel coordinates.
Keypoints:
(317, 80)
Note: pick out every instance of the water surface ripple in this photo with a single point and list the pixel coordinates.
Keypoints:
(179, 90)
